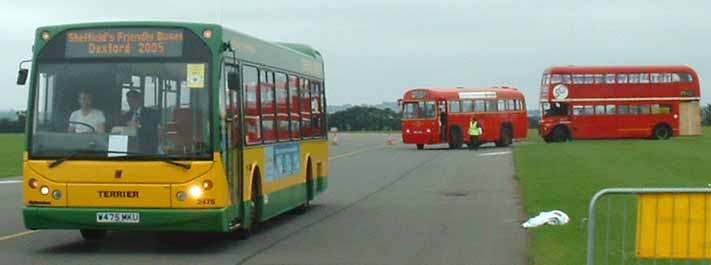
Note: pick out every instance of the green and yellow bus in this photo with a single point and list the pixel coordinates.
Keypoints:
(170, 126)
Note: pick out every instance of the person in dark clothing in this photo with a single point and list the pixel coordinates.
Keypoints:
(443, 124)
(144, 120)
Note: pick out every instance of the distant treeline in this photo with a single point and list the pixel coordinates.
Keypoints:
(363, 118)
(13, 125)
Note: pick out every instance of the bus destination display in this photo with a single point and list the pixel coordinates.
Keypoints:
(124, 42)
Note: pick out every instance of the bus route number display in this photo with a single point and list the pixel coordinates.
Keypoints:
(124, 42)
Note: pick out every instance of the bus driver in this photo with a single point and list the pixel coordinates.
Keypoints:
(86, 119)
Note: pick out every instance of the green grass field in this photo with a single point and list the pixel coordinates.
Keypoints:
(11, 146)
(565, 176)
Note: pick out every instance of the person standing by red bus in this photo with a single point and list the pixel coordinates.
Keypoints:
(474, 132)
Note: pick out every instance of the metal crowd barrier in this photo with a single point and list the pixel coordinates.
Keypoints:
(670, 225)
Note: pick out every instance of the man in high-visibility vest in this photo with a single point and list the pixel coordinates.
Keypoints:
(474, 132)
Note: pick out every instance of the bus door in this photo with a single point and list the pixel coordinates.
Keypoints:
(233, 133)
(442, 119)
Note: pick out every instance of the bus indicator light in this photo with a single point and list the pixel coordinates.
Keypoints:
(57, 194)
(207, 185)
(181, 196)
(207, 33)
(33, 183)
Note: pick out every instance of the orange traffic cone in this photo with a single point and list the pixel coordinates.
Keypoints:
(390, 139)
(335, 139)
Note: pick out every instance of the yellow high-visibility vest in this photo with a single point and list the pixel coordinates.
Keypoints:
(473, 129)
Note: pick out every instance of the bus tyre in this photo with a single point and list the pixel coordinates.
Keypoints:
(420, 146)
(506, 137)
(559, 134)
(661, 132)
(92, 234)
(247, 229)
(455, 138)
(301, 209)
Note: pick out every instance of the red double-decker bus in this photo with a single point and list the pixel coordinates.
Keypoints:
(592, 102)
(436, 116)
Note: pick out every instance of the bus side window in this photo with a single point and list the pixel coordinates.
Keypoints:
(609, 78)
(685, 77)
(316, 112)
(501, 105)
(467, 105)
(479, 105)
(305, 101)
(567, 80)
(266, 89)
(454, 106)
(250, 76)
(577, 110)
(492, 106)
(281, 107)
(623, 109)
(644, 78)
(295, 109)
(622, 79)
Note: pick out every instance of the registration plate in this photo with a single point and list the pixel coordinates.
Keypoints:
(131, 218)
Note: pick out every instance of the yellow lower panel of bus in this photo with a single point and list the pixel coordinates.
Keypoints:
(674, 226)
(115, 195)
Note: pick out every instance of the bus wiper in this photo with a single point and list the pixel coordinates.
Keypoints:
(72, 155)
(131, 155)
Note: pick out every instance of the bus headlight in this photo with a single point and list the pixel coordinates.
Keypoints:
(195, 191)
(428, 130)
(181, 196)
(407, 130)
(45, 35)
(57, 194)
(44, 190)
(207, 33)
(33, 183)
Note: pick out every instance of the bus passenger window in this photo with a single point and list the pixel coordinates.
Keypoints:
(429, 109)
(623, 109)
(305, 103)
(666, 78)
(588, 110)
(467, 105)
(454, 106)
(479, 105)
(644, 78)
(266, 90)
(501, 105)
(656, 78)
(609, 78)
(282, 107)
(644, 109)
(251, 119)
(598, 79)
(588, 79)
(556, 79)
(294, 108)
(567, 80)
(634, 109)
(634, 78)
(610, 110)
(578, 79)
(577, 110)
(622, 79)
(599, 109)
(685, 77)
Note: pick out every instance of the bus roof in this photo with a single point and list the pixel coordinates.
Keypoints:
(581, 69)
(454, 93)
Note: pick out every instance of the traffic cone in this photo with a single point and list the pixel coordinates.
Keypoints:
(390, 139)
(335, 139)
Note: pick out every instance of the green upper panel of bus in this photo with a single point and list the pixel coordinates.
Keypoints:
(288, 56)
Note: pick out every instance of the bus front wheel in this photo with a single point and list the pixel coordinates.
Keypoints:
(559, 134)
(662, 132)
(92, 234)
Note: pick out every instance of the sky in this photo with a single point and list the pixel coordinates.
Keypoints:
(374, 50)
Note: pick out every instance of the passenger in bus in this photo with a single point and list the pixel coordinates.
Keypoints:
(474, 132)
(443, 122)
(144, 120)
(86, 119)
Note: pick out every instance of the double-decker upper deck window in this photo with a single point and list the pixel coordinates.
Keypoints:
(588, 79)
(567, 79)
(599, 79)
(634, 78)
(609, 78)
(644, 78)
(622, 79)
(578, 79)
(556, 79)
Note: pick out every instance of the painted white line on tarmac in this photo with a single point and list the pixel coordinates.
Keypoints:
(495, 153)
(13, 236)
(10, 181)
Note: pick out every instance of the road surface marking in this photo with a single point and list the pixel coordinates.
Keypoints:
(356, 152)
(10, 181)
(495, 153)
(25, 233)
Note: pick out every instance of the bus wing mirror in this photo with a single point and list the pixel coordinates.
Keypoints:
(22, 73)
(232, 81)
(22, 76)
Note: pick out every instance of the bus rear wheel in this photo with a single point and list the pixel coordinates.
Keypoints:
(420, 146)
(506, 137)
(661, 132)
(455, 138)
(92, 234)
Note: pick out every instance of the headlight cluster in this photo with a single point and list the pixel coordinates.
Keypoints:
(195, 191)
(44, 189)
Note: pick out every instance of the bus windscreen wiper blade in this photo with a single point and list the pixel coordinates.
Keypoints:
(130, 155)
